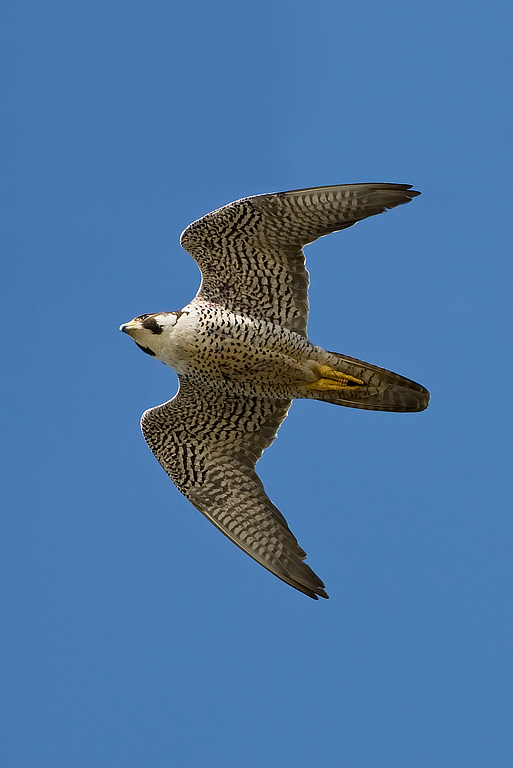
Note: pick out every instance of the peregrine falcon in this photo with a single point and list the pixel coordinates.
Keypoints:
(241, 352)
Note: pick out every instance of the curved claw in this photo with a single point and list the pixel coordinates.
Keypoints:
(331, 379)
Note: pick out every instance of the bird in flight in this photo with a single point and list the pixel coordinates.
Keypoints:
(241, 352)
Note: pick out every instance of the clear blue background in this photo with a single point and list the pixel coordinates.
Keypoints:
(132, 632)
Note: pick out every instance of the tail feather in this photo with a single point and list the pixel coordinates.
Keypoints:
(383, 390)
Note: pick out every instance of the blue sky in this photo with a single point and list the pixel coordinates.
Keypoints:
(133, 633)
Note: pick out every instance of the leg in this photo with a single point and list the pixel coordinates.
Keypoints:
(331, 379)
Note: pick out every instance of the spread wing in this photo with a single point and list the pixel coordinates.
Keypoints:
(209, 443)
(250, 251)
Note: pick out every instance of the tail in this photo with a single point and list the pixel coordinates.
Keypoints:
(382, 390)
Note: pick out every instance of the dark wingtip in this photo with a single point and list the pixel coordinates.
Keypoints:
(315, 591)
(310, 593)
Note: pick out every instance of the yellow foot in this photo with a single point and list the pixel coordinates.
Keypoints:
(331, 379)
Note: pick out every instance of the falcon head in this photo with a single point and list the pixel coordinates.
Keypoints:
(147, 330)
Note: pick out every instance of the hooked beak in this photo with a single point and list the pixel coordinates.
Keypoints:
(128, 327)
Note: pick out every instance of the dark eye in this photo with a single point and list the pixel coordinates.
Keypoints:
(151, 325)
(142, 317)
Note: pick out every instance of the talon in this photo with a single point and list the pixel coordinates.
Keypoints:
(329, 373)
(334, 380)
